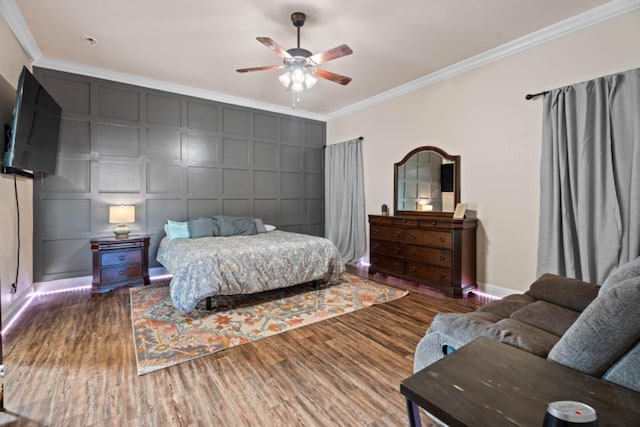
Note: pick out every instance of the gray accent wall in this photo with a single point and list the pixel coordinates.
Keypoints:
(173, 157)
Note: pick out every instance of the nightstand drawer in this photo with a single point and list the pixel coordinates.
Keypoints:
(121, 257)
(119, 262)
(109, 275)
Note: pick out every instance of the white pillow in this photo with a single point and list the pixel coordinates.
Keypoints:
(269, 227)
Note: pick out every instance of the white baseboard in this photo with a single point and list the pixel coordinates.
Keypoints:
(495, 291)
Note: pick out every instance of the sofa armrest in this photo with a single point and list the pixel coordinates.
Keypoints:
(573, 294)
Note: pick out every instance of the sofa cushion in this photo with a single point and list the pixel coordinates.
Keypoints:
(603, 332)
(563, 291)
(464, 328)
(507, 305)
(546, 316)
(626, 371)
(620, 274)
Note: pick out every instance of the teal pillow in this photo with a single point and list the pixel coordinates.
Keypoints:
(177, 230)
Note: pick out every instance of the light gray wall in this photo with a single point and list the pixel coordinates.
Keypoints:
(173, 157)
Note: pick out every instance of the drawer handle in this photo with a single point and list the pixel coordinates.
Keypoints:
(396, 234)
(374, 231)
(413, 269)
(442, 239)
(375, 246)
(442, 275)
(396, 265)
(121, 257)
(404, 220)
(121, 272)
(441, 257)
(396, 250)
(414, 237)
(412, 252)
(433, 222)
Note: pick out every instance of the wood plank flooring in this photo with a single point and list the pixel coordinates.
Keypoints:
(70, 361)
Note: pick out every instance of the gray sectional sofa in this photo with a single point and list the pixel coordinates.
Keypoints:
(593, 329)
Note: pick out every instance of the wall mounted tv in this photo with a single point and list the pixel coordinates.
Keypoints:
(31, 145)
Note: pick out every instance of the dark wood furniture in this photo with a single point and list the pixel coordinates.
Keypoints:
(437, 251)
(487, 383)
(119, 262)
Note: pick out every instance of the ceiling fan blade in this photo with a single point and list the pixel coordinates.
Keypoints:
(265, 68)
(324, 74)
(282, 52)
(336, 52)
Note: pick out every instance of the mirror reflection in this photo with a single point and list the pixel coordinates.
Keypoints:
(426, 181)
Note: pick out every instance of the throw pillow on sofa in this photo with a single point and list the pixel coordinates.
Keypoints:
(605, 330)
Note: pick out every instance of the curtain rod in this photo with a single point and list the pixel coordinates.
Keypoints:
(535, 95)
(360, 138)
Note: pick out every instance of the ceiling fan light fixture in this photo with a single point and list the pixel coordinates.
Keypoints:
(285, 79)
(298, 75)
(300, 65)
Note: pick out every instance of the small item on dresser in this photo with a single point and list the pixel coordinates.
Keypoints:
(567, 413)
(385, 210)
(461, 208)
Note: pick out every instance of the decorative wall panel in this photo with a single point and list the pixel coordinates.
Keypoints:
(173, 157)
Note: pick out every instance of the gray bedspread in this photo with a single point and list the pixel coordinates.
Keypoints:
(210, 266)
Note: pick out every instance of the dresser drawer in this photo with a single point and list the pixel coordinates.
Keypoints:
(116, 274)
(429, 255)
(387, 233)
(389, 248)
(429, 273)
(121, 257)
(388, 263)
(435, 239)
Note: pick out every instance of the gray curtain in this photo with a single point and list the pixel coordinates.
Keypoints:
(345, 217)
(590, 177)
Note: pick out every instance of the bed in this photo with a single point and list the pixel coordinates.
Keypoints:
(210, 266)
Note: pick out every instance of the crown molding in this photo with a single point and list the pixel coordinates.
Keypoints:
(162, 85)
(562, 28)
(12, 15)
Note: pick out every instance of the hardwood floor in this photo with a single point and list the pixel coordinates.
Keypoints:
(70, 361)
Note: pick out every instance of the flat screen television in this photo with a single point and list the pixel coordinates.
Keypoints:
(32, 143)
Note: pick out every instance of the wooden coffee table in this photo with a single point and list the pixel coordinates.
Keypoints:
(486, 383)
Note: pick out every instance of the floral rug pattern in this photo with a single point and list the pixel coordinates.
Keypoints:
(164, 337)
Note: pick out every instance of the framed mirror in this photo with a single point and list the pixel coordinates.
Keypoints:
(426, 182)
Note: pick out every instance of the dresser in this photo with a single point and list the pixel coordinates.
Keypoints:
(119, 262)
(436, 251)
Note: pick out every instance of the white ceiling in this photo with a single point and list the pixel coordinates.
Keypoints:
(194, 46)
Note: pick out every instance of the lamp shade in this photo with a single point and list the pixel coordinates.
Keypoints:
(122, 214)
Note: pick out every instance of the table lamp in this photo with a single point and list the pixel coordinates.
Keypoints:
(122, 215)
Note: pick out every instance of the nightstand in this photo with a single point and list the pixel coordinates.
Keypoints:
(119, 262)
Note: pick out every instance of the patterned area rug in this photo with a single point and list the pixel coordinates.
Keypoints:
(164, 337)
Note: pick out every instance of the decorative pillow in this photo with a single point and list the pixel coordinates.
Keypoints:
(269, 227)
(625, 271)
(604, 331)
(201, 227)
(177, 230)
(235, 225)
(260, 226)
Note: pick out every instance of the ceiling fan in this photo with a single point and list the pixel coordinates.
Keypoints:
(301, 64)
